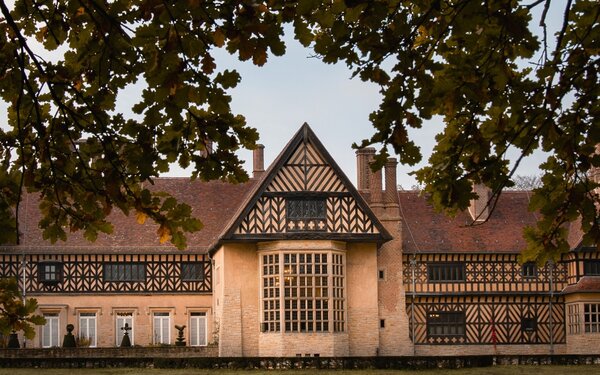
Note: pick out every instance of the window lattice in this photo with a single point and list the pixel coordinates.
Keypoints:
(271, 293)
(529, 270)
(192, 271)
(591, 267)
(124, 272)
(573, 322)
(303, 292)
(50, 272)
(591, 317)
(306, 292)
(446, 272)
(446, 324)
(338, 293)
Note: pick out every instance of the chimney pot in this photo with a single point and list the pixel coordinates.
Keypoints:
(364, 156)
(258, 161)
(391, 183)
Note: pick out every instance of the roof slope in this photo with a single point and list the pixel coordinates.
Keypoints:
(426, 231)
(587, 284)
(214, 203)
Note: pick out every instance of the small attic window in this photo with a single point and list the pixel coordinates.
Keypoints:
(50, 272)
(306, 214)
(529, 270)
(305, 208)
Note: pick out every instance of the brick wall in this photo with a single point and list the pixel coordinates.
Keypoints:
(394, 337)
(362, 311)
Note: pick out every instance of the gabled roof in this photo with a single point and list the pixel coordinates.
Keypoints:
(304, 169)
(427, 231)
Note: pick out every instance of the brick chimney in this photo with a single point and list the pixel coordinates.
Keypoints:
(363, 171)
(390, 197)
(258, 161)
(478, 208)
(376, 191)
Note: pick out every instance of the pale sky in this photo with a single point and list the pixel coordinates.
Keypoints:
(279, 97)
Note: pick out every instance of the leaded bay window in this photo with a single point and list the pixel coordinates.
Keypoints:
(303, 292)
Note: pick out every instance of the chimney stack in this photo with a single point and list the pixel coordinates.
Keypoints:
(376, 189)
(258, 161)
(391, 184)
(478, 208)
(363, 171)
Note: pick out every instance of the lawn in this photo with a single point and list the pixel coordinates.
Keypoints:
(498, 370)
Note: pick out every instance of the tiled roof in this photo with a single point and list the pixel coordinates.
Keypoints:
(587, 284)
(427, 231)
(575, 234)
(214, 203)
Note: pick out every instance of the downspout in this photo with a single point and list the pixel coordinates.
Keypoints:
(413, 266)
(23, 278)
(550, 319)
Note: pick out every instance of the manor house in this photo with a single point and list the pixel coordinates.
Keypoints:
(299, 261)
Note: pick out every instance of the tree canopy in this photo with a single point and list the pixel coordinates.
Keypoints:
(477, 64)
(17, 314)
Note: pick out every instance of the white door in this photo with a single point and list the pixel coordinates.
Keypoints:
(162, 328)
(87, 327)
(122, 319)
(198, 329)
(50, 334)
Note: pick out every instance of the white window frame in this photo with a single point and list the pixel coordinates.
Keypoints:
(196, 339)
(161, 327)
(89, 318)
(51, 331)
(126, 317)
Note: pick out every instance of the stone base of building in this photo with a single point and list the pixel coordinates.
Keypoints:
(185, 357)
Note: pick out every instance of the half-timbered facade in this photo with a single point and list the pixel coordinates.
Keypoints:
(299, 261)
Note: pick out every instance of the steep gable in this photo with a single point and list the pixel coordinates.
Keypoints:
(304, 194)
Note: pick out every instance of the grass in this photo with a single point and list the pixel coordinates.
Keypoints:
(498, 370)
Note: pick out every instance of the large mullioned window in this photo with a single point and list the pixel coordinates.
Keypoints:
(303, 292)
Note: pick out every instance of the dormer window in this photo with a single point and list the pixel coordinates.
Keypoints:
(50, 272)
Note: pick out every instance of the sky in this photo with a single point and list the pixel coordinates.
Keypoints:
(290, 90)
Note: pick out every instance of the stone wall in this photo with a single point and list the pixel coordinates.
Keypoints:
(206, 358)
